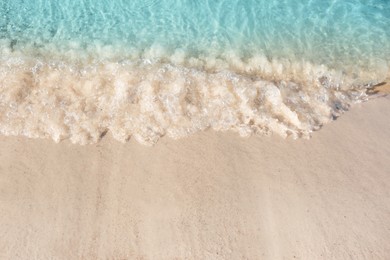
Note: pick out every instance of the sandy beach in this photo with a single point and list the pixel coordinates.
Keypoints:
(210, 196)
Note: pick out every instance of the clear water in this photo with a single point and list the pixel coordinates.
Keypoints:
(146, 68)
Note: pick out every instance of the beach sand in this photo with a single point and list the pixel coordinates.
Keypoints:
(209, 196)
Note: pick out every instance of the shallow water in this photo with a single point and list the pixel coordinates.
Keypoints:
(76, 69)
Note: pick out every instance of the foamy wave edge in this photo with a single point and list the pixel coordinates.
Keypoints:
(150, 98)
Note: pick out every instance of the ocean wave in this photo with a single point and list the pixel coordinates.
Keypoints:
(154, 95)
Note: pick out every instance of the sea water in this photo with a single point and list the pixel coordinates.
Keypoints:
(75, 69)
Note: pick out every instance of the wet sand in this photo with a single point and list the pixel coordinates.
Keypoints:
(209, 196)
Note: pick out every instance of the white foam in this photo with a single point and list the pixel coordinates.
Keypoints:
(152, 95)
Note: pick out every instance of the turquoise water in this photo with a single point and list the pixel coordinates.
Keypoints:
(75, 69)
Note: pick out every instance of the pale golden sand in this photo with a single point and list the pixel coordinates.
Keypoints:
(384, 87)
(209, 196)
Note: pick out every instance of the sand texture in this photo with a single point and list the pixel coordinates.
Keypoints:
(209, 196)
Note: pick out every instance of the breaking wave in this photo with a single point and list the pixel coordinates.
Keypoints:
(152, 97)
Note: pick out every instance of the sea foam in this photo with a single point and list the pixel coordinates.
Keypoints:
(174, 96)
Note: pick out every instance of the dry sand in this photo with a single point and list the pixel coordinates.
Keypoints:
(210, 196)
